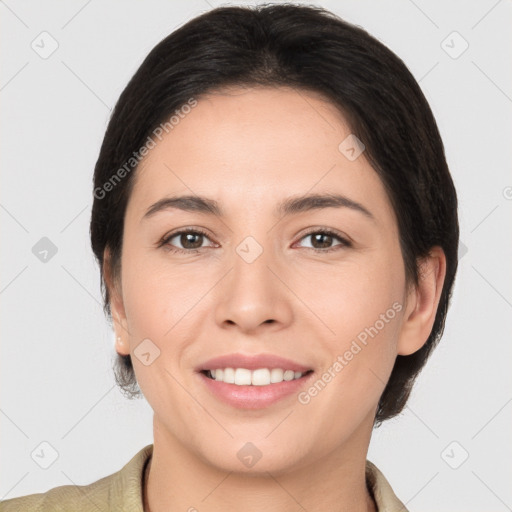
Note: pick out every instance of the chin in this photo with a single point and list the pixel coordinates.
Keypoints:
(257, 457)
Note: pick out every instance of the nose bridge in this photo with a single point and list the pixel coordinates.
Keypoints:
(251, 294)
(250, 266)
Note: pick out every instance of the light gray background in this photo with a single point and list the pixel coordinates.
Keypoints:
(57, 348)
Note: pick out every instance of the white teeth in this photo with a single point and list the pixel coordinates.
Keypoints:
(242, 377)
(276, 375)
(289, 375)
(259, 377)
(229, 375)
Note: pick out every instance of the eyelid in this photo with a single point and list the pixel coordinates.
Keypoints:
(345, 240)
(164, 241)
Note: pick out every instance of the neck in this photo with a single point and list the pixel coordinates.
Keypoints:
(176, 479)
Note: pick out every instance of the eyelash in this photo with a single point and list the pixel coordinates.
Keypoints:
(170, 248)
(196, 231)
(329, 232)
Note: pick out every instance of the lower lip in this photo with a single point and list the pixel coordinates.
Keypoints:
(254, 397)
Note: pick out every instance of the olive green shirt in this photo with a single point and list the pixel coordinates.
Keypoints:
(122, 492)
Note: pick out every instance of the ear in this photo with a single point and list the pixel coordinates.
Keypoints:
(422, 303)
(113, 284)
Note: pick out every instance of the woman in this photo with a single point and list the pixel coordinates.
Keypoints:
(277, 233)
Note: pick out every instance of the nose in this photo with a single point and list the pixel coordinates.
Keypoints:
(252, 297)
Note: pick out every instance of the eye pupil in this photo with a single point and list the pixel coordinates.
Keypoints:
(327, 240)
(188, 237)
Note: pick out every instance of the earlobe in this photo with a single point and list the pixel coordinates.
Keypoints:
(120, 324)
(122, 347)
(116, 305)
(422, 303)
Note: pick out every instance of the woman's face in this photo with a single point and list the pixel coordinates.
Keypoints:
(261, 281)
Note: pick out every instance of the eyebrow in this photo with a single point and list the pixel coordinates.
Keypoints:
(289, 206)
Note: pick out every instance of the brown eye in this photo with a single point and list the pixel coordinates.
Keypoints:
(323, 240)
(190, 240)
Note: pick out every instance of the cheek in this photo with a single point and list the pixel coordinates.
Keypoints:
(157, 296)
(363, 306)
(357, 367)
(156, 305)
(161, 304)
(357, 295)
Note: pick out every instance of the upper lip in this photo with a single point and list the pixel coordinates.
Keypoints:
(252, 362)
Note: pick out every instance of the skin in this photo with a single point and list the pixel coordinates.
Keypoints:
(249, 149)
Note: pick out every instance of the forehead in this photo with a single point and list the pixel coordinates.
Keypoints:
(262, 144)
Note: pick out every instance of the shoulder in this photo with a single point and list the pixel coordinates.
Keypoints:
(64, 497)
(383, 494)
(119, 491)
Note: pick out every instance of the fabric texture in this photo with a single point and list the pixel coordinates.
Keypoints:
(122, 491)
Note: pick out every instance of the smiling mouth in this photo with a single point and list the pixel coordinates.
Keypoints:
(258, 377)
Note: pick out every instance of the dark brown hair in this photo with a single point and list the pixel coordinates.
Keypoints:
(307, 48)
